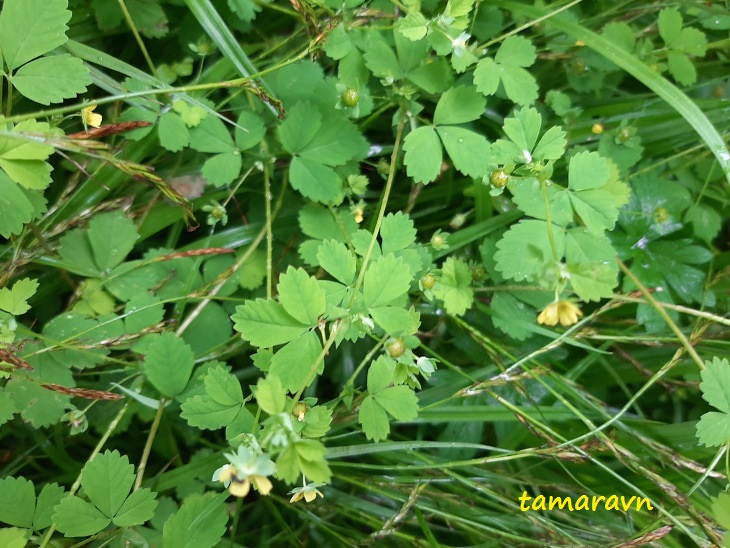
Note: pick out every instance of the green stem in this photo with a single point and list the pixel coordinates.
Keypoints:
(138, 38)
(148, 446)
(381, 213)
(107, 434)
(548, 219)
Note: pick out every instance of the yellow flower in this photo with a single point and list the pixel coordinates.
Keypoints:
(309, 492)
(246, 468)
(91, 119)
(564, 312)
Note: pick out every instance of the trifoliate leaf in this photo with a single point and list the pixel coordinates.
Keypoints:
(520, 86)
(107, 480)
(399, 401)
(293, 363)
(191, 114)
(137, 509)
(29, 28)
(265, 323)
(52, 79)
(454, 286)
(15, 301)
(302, 123)
(386, 279)
(338, 261)
(467, 149)
(459, 105)
(168, 364)
(423, 154)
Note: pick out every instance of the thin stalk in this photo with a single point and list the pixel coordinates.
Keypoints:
(148, 446)
(138, 38)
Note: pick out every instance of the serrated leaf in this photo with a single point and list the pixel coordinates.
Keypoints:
(423, 154)
(137, 509)
(454, 286)
(301, 296)
(7, 408)
(380, 58)
(523, 128)
(338, 261)
(77, 518)
(212, 136)
(399, 401)
(173, 132)
(386, 279)
(168, 364)
(48, 498)
(669, 23)
(17, 502)
(200, 523)
(595, 208)
(29, 28)
(374, 420)
(37, 405)
(270, 395)
(551, 145)
(593, 281)
(15, 301)
(413, 26)
(516, 51)
(525, 250)
(715, 384)
(205, 413)
(111, 237)
(588, 170)
(17, 209)
(468, 150)
(265, 323)
(713, 429)
(681, 68)
(293, 363)
(397, 232)
(245, 9)
(107, 480)
(395, 321)
(459, 105)
(12, 537)
(511, 315)
(52, 79)
(223, 387)
(302, 123)
(336, 142)
(314, 180)
(222, 169)
(253, 132)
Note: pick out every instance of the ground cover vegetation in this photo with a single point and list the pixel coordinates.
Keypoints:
(345, 272)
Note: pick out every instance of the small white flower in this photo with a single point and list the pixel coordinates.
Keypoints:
(528, 157)
(458, 44)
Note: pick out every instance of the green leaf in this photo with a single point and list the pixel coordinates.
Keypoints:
(314, 180)
(423, 154)
(380, 374)
(715, 384)
(670, 24)
(516, 51)
(37, 405)
(386, 279)
(222, 169)
(12, 537)
(467, 149)
(302, 123)
(591, 263)
(17, 209)
(301, 296)
(212, 136)
(245, 9)
(713, 429)
(111, 237)
(454, 286)
(29, 28)
(523, 128)
(511, 315)
(77, 518)
(293, 363)
(17, 502)
(270, 395)
(205, 413)
(253, 130)
(200, 523)
(397, 232)
(265, 323)
(525, 250)
(338, 261)
(681, 68)
(107, 480)
(520, 86)
(588, 170)
(336, 142)
(173, 132)
(223, 387)
(459, 105)
(374, 420)
(168, 364)
(551, 145)
(48, 498)
(380, 58)
(399, 401)
(413, 26)
(15, 301)
(397, 322)
(52, 79)
(137, 509)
